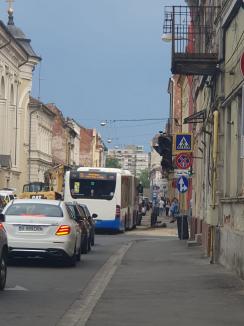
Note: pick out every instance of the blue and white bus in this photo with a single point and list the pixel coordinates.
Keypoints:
(109, 193)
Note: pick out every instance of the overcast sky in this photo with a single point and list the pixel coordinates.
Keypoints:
(101, 60)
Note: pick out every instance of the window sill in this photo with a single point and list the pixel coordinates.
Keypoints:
(239, 199)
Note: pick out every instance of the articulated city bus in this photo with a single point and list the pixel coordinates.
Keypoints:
(109, 193)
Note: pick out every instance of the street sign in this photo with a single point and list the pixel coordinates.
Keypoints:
(183, 160)
(183, 142)
(182, 184)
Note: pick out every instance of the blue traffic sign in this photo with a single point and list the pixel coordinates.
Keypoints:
(183, 142)
(182, 184)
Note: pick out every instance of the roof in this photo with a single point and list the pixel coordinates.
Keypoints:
(5, 161)
(37, 103)
(20, 37)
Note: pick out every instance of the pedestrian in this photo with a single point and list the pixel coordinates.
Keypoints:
(161, 207)
(167, 206)
(174, 210)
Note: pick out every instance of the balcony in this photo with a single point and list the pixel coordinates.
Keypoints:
(192, 31)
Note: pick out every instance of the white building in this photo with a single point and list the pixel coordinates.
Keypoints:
(131, 157)
(17, 62)
(40, 133)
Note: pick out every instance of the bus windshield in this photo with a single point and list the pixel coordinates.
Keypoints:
(93, 185)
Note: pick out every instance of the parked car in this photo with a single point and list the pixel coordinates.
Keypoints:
(42, 228)
(80, 216)
(6, 196)
(3, 253)
(91, 221)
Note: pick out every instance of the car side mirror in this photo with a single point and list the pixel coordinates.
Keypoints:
(2, 217)
(94, 215)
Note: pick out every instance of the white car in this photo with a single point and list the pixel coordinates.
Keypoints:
(3, 253)
(42, 228)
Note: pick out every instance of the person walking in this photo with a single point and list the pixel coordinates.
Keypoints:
(161, 207)
(174, 210)
(167, 206)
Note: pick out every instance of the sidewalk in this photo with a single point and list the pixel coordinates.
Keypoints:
(158, 230)
(162, 282)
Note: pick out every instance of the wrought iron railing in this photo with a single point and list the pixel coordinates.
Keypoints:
(192, 29)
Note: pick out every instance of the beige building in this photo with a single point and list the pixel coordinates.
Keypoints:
(132, 158)
(17, 62)
(40, 138)
(75, 159)
(212, 56)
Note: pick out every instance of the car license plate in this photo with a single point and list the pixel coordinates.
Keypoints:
(30, 228)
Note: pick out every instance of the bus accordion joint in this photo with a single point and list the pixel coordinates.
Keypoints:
(117, 212)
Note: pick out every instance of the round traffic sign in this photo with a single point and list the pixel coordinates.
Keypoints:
(183, 160)
(182, 184)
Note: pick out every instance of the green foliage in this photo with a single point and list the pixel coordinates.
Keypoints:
(144, 178)
(112, 162)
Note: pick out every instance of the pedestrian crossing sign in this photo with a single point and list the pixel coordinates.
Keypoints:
(183, 142)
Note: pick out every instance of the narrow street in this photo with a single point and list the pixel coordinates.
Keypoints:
(144, 277)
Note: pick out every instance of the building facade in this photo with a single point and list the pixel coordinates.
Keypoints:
(63, 141)
(212, 105)
(17, 62)
(132, 158)
(40, 139)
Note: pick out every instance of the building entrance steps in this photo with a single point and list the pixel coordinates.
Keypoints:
(161, 281)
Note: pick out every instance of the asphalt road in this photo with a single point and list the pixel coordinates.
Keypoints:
(38, 293)
(144, 277)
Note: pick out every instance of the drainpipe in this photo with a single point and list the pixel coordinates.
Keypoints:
(16, 123)
(215, 156)
(214, 180)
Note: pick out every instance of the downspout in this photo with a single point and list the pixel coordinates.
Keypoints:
(214, 180)
(215, 156)
(16, 124)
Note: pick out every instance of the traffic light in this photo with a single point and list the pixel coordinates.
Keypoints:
(164, 149)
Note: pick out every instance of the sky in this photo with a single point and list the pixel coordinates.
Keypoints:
(102, 60)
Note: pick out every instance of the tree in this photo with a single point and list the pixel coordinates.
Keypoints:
(112, 162)
(144, 178)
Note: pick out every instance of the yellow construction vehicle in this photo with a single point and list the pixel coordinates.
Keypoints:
(52, 188)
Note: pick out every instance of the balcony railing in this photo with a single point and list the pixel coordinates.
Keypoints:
(192, 31)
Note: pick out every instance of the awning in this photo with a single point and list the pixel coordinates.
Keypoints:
(196, 117)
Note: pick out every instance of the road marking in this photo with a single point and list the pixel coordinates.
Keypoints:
(80, 311)
(16, 288)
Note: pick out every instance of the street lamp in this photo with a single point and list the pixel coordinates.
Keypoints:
(167, 37)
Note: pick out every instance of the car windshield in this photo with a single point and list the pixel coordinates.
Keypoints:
(92, 185)
(25, 209)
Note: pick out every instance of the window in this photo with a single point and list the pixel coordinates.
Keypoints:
(2, 88)
(34, 209)
(92, 185)
(12, 95)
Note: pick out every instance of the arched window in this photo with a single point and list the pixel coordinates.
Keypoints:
(12, 95)
(2, 89)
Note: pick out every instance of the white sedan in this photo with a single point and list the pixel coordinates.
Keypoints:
(42, 228)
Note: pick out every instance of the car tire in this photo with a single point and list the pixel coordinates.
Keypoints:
(71, 261)
(93, 240)
(84, 249)
(78, 255)
(3, 271)
(89, 244)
